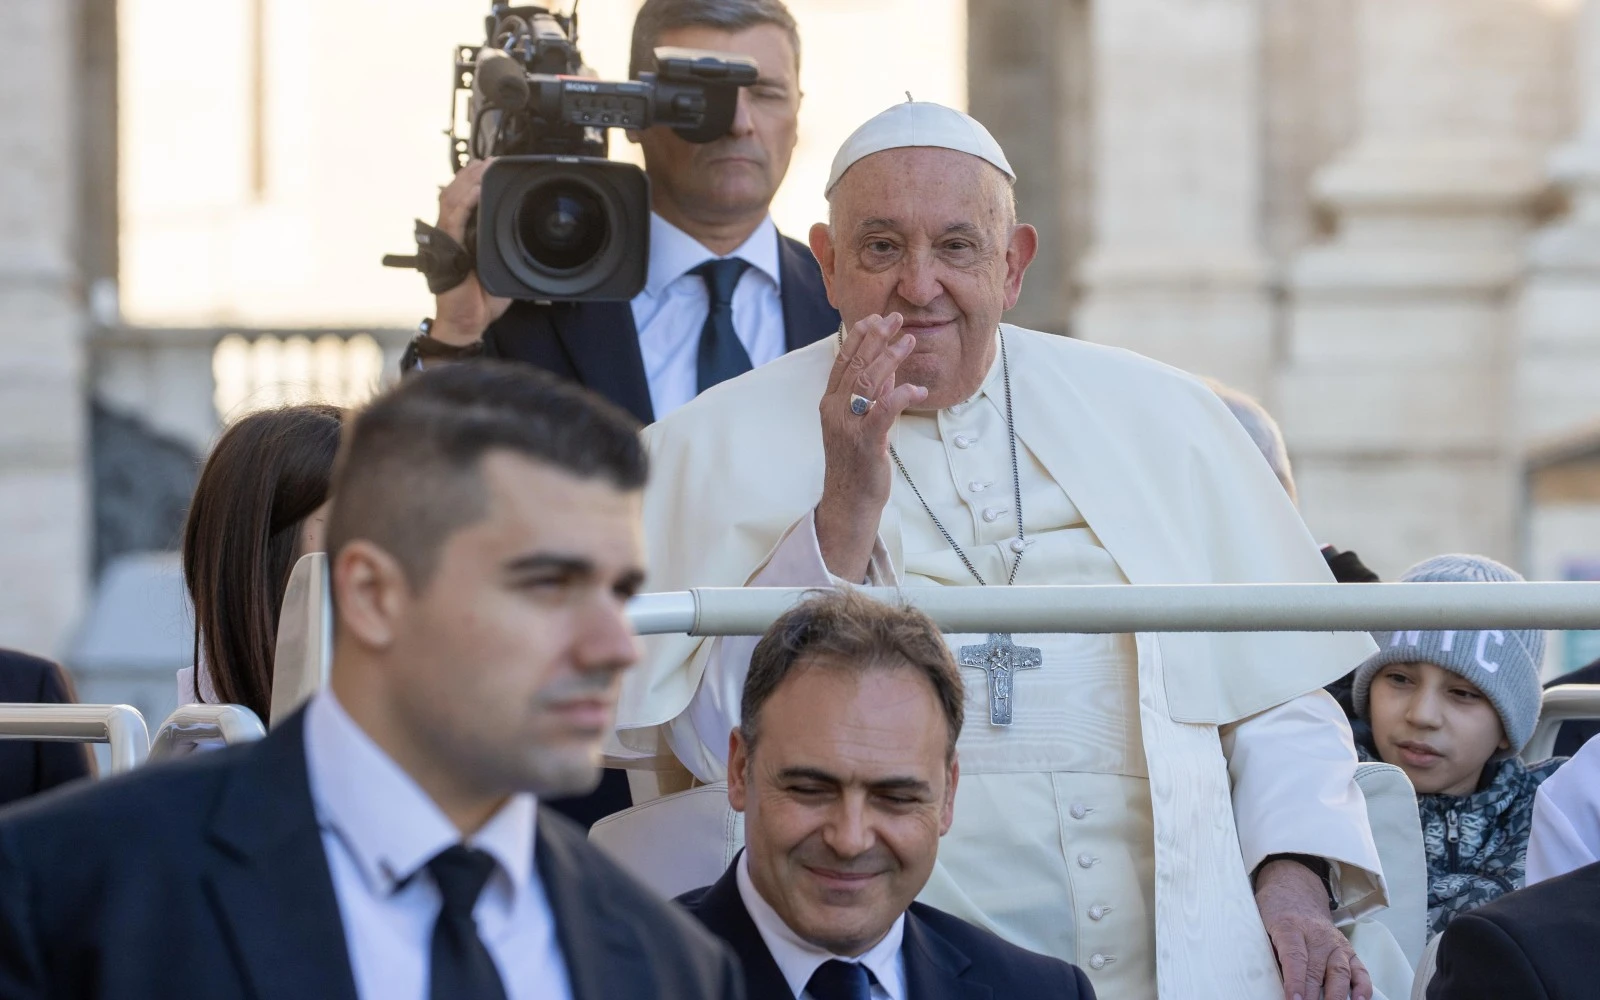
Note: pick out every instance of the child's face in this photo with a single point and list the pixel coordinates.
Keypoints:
(1435, 726)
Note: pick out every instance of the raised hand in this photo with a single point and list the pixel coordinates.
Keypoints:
(857, 480)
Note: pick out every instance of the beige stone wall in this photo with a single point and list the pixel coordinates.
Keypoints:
(43, 488)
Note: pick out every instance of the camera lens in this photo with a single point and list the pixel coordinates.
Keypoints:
(562, 225)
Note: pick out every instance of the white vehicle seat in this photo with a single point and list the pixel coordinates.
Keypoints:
(675, 843)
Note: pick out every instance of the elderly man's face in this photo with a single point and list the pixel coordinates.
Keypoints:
(927, 232)
(845, 797)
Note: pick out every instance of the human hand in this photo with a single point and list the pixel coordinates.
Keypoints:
(1317, 961)
(856, 483)
(462, 314)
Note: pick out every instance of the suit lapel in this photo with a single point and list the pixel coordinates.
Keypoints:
(722, 911)
(269, 878)
(807, 316)
(603, 344)
(605, 960)
(934, 966)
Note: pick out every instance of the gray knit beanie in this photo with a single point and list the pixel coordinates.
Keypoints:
(1504, 665)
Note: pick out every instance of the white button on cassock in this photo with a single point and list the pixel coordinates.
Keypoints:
(1079, 810)
(992, 514)
(979, 485)
(962, 441)
(1087, 860)
(1099, 961)
(1098, 912)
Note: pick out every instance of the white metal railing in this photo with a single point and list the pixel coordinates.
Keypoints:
(120, 726)
(1290, 607)
(1562, 703)
(190, 725)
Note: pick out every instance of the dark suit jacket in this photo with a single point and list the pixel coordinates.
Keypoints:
(1534, 944)
(946, 958)
(29, 768)
(206, 877)
(597, 345)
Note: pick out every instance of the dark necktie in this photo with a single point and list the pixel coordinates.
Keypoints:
(721, 355)
(460, 967)
(836, 980)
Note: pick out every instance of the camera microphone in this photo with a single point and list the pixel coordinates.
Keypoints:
(501, 80)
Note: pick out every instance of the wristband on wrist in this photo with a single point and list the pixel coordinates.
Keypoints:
(1318, 867)
(424, 347)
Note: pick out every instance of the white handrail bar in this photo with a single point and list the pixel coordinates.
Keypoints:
(120, 726)
(1283, 607)
(191, 724)
(1562, 703)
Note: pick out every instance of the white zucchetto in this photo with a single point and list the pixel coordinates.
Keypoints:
(918, 123)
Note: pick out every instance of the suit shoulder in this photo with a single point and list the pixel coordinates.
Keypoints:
(158, 808)
(994, 958)
(26, 678)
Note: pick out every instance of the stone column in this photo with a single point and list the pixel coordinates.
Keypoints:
(1028, 78)
(1559, 321)
(43, 477)
(1395, 398)
(1177, 269)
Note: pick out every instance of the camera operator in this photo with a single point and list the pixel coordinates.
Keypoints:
(724, 290)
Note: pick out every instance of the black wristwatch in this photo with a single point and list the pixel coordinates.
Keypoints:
(424, 348)
(1318, 866)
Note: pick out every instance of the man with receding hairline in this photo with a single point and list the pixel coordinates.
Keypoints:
(1177, 814)
(844, 766)
(387, 842)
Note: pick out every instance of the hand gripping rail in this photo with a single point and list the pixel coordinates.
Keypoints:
(1283, 607)
(193, 724)
(120, 726)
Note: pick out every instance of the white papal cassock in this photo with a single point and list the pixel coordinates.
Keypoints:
(1115, 821)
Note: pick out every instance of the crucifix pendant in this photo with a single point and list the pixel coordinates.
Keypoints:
(999, 659)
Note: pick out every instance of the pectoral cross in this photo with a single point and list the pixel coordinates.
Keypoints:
(999, 658)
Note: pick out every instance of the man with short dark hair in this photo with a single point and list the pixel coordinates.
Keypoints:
(724, 290)
(844, 765)
(387, 841)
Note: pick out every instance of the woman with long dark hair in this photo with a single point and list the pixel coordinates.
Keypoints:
(259, 506)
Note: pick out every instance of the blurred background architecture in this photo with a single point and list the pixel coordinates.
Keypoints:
(1381, 216)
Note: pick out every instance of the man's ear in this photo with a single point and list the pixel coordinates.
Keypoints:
(738, 758)
(822, 249)
(371, 594)
(948, 815)
(1024, 246)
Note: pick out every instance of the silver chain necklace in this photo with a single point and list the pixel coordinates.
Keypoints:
(1019, 545)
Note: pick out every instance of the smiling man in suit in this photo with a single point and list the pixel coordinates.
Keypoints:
(387, 841)
(724, 290)
(844, 765)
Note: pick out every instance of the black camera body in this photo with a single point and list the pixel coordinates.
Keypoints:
(557, 221)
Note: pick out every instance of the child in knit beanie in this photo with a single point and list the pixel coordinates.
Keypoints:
(1453, 710)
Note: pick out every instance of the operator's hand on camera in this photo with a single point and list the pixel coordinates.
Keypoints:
(462, 314)
(855, 445)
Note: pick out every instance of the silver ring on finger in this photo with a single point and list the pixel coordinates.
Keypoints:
(860, 405)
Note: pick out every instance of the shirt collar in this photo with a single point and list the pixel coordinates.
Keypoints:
(674, 253)
(390, 826)
(799, 959)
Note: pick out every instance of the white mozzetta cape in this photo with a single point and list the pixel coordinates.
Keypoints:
(1176, 493)
(1163, 473)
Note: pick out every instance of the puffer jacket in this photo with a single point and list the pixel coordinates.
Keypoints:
(1477, 845)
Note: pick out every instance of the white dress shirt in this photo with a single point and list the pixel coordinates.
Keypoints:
(671, 311)
(379, 828)
(798, 959)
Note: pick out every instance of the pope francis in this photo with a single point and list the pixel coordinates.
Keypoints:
(1177, 814)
